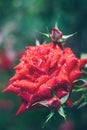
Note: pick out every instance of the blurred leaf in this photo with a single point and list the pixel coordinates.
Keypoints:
(64, 99)
(82, 105)
(48, 118)
(61, 112)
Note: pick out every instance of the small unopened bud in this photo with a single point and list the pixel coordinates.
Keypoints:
(54, 103)
(56, 34)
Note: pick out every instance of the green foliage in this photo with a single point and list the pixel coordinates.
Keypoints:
(61, 112)
(48, 118)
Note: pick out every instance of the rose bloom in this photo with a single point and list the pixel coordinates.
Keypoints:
(45, 74)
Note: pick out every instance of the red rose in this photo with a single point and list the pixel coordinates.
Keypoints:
(45, 74)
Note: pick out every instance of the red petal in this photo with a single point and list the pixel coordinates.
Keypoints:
(21, 109)
(12, 89)
(75, 74)
(25, 84)
(82, 62)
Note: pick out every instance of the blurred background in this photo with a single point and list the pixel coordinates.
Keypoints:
(20, 22)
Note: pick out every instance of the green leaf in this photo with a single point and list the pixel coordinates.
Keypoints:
(48, 118)
(82, 105)
(79, 90)
(37, 42)
(56, 26)
(48, 32)
(65, 37)
(41, 103)
(45, 34)
(80, 81)
(64, 99)
(61, 112)
(68, 36)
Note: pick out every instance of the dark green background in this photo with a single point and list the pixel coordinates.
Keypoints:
(21, 20)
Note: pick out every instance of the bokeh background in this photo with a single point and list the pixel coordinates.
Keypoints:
(20, 22)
